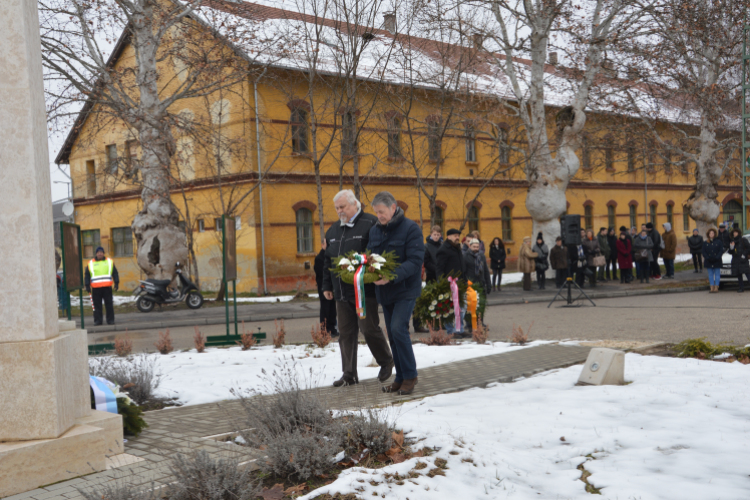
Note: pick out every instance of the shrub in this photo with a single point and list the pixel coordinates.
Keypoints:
(437, 337)
(320, 335)
(116, 490)
(164, 344)
(132, 417)
(123, 346)
(280, 337)
(200, 477)
(480, 335)
(295, 429)
(368, 429)
(136, 374)
(247, 341)
(519, 336)
(199, 340)
(702, 349)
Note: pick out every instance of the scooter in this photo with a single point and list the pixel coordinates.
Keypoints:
(152, 292)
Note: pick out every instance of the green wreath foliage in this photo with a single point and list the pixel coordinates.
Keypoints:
(132, 415)
(443, 307)
(371, 274)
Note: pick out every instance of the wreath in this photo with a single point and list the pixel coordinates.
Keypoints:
(435, 304)
(375, 267)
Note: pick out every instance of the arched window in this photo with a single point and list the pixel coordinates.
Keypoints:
(349, 134)
(670, 214)
(611, 222)
(394, 138)
(588, 216)
(652, 217)
(685, 221)
(631, 159)
(503, 153)
(304, 231)
(732, 211)
(471, 144)
(507, 220)
(300, 143)
(633, 216)
(439, 218)
(474, 219)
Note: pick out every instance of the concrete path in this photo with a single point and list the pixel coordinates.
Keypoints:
(201, 427)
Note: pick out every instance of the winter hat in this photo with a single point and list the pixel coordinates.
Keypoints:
(540, 237)
(695, 230)
(453, 231)
(623, 228)
(667, 226)
(722, 225)
(99, 249)
(602, 229)
(649, 225)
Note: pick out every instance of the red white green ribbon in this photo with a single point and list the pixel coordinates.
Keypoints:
(359, 291)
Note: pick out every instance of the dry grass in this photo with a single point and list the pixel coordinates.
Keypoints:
(199, 341)
(280, 337)
(519, 336)
(437, 337)
(480, 334)
(321, 337)
(164, 344)
(247, 341)
(123, 346)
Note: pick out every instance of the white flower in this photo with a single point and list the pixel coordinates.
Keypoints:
(377, 258)
(350, 269)
(432, 314)
(446, 315)
(434, 302)
(345, 262)
(376, 266)
(441, 296)
(432, 308)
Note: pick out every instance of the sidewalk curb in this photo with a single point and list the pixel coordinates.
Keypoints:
(253, 318)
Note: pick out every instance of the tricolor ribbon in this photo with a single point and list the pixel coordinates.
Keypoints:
(456, 305)
(359, 288)
(104, 395)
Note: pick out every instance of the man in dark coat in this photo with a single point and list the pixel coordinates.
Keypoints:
(724, 236)
(695, 243)
(395, 233)
(352, 233)
(558, 260)
(431, 247)
(451, 262)
(476, 266)
(327, 307)
(655, 237)
(739, 249)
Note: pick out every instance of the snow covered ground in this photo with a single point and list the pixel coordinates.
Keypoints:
(680, 430)
(208, 377)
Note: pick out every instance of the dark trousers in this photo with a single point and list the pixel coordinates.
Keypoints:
(328, 313)
(739, 280)
(349, 327)
(669, 266)
(698, 261)
(397, 317)
(643, 269)
(497, 277)
(560, 276)
(592, 278)
(580, 273)
(527, 281)
(626, 275)
(655, 268)
(540, 279)
(611, 265)
(105, 294)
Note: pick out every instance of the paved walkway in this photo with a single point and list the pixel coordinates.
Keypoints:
(181, 430)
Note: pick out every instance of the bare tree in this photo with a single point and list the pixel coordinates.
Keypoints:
(181, 51)
(686, 75)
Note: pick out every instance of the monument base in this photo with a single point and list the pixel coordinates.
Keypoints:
(27, 465)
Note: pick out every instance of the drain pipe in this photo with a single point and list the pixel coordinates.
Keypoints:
(260, 187)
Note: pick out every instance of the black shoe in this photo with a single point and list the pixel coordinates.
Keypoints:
(97, 323)
(385, 372)
(334, 335)
(343, 382)
(740, 291)
(110, 322)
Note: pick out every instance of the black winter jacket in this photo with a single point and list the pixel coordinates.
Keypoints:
(403, 237)
(483, 276)
(430, 258)
(342, 239)
(450, 260)
(318, 267)
(725, 239)
(695, 243)
(656, 240)
(497, 258)
(740, 253)
(612, 241)
(712, 252)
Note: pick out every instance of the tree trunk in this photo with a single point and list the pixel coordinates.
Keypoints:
(703, 205)
(319, 189)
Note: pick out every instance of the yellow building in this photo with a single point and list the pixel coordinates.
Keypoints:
(399, 133)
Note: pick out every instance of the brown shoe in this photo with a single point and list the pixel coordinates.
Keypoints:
(407, 386)
(394, 387)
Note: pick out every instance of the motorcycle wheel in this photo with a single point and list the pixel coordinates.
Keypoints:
(144, 304)
(194, 300)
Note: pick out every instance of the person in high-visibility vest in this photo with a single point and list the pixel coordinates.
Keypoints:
(101, 276)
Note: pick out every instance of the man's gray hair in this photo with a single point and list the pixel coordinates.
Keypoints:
(384, 198)
(348, 194)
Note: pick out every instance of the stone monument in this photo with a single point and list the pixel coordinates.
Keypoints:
(48, 431)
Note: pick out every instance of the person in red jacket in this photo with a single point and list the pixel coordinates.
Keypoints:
(625, 258)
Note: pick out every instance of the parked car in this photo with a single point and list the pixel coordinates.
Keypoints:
(727, 275)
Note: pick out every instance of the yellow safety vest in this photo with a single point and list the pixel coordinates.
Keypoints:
(101, 273)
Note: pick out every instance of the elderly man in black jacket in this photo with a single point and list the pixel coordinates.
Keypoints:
(352, 233)
(451, 262)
